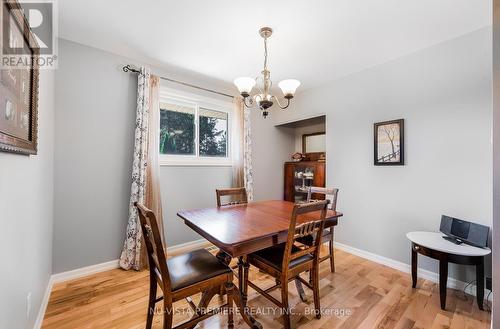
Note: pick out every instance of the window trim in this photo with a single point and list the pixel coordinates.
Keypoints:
(197, 101)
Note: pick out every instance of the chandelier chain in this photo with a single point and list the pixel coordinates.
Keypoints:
(265, 54)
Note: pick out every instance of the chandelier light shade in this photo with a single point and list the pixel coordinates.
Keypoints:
(245, 85)
(263, 99)
(288, 87)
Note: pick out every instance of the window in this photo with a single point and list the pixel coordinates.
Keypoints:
(177, 129)
(213, 133)
(193, 130)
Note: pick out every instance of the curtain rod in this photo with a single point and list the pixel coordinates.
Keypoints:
(129, 68)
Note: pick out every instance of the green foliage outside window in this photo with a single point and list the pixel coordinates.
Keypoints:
(213, 136)
(176, 132)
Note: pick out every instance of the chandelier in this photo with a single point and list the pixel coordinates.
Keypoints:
(263, 98)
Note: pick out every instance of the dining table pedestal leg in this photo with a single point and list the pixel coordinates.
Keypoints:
(239, 294)
(243, 270)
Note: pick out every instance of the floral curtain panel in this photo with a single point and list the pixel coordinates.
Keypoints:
(242, 148)
(145, 179)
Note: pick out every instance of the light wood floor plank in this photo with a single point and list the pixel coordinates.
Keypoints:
(361, 294)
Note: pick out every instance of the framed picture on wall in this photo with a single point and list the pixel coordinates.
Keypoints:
(389, 143)
(18, 82)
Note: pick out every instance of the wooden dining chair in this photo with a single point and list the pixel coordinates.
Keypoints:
(238, 196)
(329, 194)
(181, 276)
(286, 261)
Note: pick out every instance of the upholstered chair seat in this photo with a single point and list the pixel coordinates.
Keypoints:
(273, 256)
(193, 267)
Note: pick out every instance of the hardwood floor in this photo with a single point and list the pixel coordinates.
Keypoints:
(361, 294)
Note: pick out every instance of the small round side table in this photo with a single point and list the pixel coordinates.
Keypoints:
(432, 244)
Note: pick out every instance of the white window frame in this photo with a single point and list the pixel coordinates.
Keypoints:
(197, 101)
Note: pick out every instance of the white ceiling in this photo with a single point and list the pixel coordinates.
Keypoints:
(314, 41)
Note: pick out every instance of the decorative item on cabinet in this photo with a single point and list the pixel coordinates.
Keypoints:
(299, 176)
(297, 156)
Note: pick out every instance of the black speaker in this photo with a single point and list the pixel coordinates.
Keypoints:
(459, 231)
(445, 226)
(478, 235)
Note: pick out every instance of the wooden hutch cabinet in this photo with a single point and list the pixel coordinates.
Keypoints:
(299, 176)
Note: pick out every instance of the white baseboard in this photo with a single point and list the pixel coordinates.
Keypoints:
(187, 247)
(92, 269)
(43, 305)
(111, 265)
(66, 276)
(84, 271)
(406, 268)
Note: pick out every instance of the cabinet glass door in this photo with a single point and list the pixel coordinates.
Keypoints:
(303, 179)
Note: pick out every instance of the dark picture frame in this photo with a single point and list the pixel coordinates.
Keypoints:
(18, 85)
(388, 143)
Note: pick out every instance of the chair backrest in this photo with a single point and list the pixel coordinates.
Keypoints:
(156, 252)
(329, 193)
(315, 213)
(238, 196)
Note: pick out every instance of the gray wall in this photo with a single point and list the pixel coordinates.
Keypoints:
(95, 118)
(188, 187)
(496, 163)
(308, 129)
(271, 147)
(26, 213)
(444, 95)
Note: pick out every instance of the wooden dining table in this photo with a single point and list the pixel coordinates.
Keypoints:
(238, 230)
